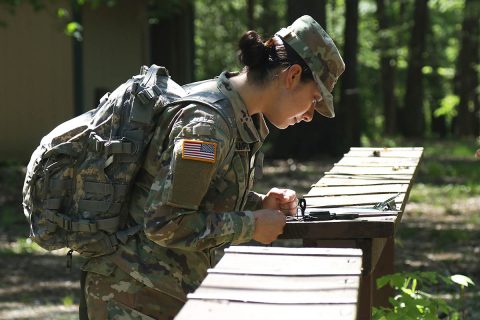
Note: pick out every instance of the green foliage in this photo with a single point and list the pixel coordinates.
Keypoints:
(220, 24)
(447, 106)
(74, 29)
(68, 300)
(412, 303)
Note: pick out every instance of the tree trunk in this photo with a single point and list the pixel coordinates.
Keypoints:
(414, 119)
(349, 99)
(250, 14)
(269, 21)
(388, 61)
(172, 43)
(466, 80)
(315, 9)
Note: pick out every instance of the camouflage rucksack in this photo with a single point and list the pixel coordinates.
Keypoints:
(78, 180)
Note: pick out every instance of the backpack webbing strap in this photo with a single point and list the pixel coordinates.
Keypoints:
(99, 206)
(105, 188)
(98, 144)
(108, 225)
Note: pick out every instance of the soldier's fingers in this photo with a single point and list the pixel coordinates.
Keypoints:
(287, 196)
(289, 209)
(288, 206)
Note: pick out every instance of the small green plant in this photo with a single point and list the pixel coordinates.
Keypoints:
(411, 303)
(68, 300)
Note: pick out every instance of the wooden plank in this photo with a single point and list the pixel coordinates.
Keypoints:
(356, 190)
(388, 148)
(388, 153)
(342, 180)
(336, 295)
(395, 170)
(232, 310)
(276, 283)
(377, 161)
(366, 200)
(371, 176)
(247, 263)
(342, 252)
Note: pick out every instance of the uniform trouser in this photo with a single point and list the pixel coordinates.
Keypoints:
(119, 296)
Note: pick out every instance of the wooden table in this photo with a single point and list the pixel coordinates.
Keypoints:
(361, 179)
(258, 283)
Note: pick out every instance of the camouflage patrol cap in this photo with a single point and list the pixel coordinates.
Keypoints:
(320, 54)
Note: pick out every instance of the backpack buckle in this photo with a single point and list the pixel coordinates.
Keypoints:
(148, 94)
(67, 224)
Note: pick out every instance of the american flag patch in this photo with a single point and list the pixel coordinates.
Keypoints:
(199, 150)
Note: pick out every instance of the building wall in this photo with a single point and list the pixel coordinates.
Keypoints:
(35, 81)
(36, 67)
(115, 46)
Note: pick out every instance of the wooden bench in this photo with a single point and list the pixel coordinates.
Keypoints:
(284, 283)
(258, 283)
(362, 178)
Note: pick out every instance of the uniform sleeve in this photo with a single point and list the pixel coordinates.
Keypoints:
(254, 201)
(197, 146)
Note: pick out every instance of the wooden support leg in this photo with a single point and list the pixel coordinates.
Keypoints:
(365, 298)
(365, 293)
(385, 265)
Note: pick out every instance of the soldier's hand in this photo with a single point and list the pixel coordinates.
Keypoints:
(284, 200)
(269, 225)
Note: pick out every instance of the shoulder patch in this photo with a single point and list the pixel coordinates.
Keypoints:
(199, 150)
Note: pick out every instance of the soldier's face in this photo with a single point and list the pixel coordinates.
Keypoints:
(296, 104)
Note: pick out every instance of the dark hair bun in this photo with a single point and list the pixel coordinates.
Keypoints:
(253, 52)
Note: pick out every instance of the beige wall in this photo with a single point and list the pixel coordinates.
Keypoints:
(115, 46)
(35, 80)
(36, 63)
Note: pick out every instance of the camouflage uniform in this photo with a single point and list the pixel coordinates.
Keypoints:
(188, 208)
(192, 202)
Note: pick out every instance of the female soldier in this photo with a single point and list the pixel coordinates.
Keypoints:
(193, 193)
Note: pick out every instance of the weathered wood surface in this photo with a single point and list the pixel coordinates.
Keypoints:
(339, 180)
(233, 310)
(340, 200)
(288, 283)
(376, 161)
(385, 152)
(357, 190)
(361, 179)
(281, 283)
(406, 171)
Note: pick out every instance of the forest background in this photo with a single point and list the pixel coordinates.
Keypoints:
(412, 79)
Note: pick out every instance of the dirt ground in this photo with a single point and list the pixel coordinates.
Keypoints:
(36, 285)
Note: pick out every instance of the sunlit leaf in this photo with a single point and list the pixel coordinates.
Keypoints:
(74, 29)
(462, 280)
(67, 300)
(62, 12)
(448, 106)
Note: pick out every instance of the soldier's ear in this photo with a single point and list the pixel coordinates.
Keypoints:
(292, 76)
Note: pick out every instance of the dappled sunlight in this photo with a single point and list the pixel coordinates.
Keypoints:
(15, 310)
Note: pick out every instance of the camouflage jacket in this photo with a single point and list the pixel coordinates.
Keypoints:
(192, 195)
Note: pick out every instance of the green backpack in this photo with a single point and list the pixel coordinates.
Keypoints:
(78, 180)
